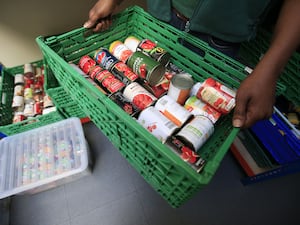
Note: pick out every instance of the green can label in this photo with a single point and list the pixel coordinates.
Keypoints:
(146, 67)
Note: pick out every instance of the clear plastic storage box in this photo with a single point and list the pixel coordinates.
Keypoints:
(43, 158)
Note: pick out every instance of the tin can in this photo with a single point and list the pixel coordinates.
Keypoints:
(28, 94)
(38, 87)
(156, 123)
(49, 110)
(180, 86)
(91, 73)
(195, 133)
(18, 101)
(19, 109)
(85, 63)
(38, 97)
(29, 110)
(105, 59)
(19, 79)
(217, 95)
(124, 104)
(139, 96)
(198, 107)
(108, 82)
(38, 71)
(38, 108)
(132, 43)
(29, 82)
(94, 70)
(157, 90)
(123, 72)
(19, 90)
(150, 48)
(186, 154)
(28, 71)
(101, 75)
(18, 117)
(146, 67)
(120, 51)
(39, 79)
(173, 110)
(47, 102)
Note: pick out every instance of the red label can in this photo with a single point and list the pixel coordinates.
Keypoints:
(139, 96)
(18, 117)
(150, 48)
(217, 95)
(157, 124)
(85, 63)
(198, 107)
(186, 154)
(94, 70)
(124, 72)
(38, 108)
(109, 82)
(125, 104)
(120, 51)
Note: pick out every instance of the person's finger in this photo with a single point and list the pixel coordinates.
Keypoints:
(88, 24)
(240, 112)
(99, 26)
(91, 21)
(107, 23)
(102, 25)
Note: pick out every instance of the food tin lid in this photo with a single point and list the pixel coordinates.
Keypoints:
(182, 81)
(195, 89)
(19, 79)
(132, 42)
(156, 75)
(28, 68)
(113, 45)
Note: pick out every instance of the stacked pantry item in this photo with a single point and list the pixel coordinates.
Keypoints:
(64, 106)
(7, 94)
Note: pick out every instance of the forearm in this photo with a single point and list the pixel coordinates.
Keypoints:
(286, 38)
(117, 2)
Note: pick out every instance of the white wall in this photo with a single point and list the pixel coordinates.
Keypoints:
(22, 21)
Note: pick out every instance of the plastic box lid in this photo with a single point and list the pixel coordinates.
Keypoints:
(42, 156)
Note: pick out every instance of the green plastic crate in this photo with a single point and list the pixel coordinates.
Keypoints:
(61, 99)
(169, 175)
(6, 112)
(252, 51)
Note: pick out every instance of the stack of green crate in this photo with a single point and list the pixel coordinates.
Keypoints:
(6, 111)
(55, 92)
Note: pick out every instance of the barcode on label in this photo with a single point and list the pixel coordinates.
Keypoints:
(163, 102)
(170, 125)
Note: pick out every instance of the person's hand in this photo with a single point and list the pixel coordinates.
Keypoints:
(254, 100)
(256, 95)
(100, 15)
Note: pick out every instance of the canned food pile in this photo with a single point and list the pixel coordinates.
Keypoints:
(139, 76)
(29, 98)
